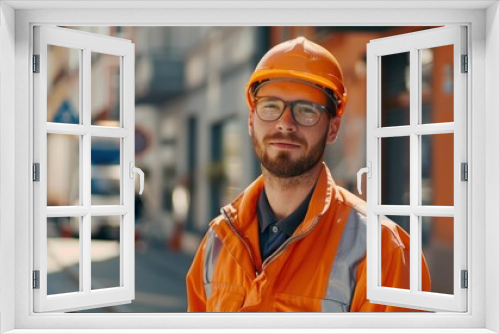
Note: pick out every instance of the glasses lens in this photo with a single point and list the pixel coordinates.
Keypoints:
(307, 113)
(269, 109)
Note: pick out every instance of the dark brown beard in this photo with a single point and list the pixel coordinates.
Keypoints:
(283, 166)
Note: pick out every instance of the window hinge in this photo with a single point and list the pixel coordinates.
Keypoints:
(465, 64)
(36, 172)
(465, 279)
(465, 172)
(36, 63)
(36, 279)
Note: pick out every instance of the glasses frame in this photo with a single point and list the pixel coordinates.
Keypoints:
(289, 104)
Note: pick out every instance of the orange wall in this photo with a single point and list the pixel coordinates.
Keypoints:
(442, 153)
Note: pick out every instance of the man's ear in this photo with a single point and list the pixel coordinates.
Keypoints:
(333, 129)
(251, 116)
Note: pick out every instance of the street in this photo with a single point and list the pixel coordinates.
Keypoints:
(159, 274)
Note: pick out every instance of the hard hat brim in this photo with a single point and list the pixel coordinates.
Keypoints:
(333, 84)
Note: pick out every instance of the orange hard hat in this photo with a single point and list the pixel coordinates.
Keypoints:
(302, 60)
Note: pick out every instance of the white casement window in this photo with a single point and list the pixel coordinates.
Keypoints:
(409, 134)
(24, 140)
(77, 132)
(70, 137)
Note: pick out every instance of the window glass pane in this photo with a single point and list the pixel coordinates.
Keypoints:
(437, 84)
(395, 90)
(401, 278)
(402, 221)
(63, 170)
(437, 245)
(105, 89)
(63, 85)
(105, 183)
(105, 252)
(437, 169)
(395, 171)
(63, 255)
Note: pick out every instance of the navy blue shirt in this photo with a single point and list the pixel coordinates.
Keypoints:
(273, 232)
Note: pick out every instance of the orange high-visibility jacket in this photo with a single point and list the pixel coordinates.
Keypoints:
(321, 268)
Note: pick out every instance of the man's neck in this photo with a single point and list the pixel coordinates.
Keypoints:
(286, 194)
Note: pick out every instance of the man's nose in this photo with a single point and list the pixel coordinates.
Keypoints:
(286, 122)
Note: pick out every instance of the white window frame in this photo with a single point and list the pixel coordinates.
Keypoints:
(412, 43)
(85, 43)
(483, 21)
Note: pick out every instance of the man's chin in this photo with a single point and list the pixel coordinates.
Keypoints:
(283, 156)
(281, 160)
(283, 168)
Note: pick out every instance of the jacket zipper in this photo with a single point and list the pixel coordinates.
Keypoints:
(242, 240)
(278, 252)
(287, 243)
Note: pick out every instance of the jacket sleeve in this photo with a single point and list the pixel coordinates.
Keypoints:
(395, 273)
(195, 287)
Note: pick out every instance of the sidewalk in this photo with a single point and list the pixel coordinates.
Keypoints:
(159, 274)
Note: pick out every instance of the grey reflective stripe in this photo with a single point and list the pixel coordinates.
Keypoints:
(333, 306)
(213, 246)
(351, 250)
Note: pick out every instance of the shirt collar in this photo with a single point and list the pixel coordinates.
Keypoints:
(288, 224)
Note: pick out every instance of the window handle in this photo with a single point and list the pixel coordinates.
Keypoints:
(134, 170)
(368, 171)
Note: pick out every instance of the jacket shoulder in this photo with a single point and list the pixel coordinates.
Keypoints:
(351, 200)
(393, 236)
(216, 221)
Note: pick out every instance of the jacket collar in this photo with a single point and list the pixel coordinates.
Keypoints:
(243, 210)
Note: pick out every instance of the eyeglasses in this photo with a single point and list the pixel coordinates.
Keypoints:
(305, 113)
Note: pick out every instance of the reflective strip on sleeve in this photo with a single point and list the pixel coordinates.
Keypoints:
(351, 250)
(213, 246)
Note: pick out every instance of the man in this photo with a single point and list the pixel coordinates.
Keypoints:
(293, 240)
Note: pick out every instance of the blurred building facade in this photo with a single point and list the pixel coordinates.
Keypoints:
(190, 86)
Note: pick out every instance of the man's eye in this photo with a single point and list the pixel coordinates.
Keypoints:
(270, 105)
(308, 110)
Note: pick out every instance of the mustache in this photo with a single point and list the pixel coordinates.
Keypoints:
(292, 137)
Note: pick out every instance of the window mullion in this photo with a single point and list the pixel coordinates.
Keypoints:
(66, 129)
(419, 129)
(420, 210)
(414, 168)
(85, 237)
(396, 210)
(109, 210)
(108, 132)
(418, 219)
(81, 270)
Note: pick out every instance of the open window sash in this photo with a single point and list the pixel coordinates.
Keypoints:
(413, 43)
(85, 45)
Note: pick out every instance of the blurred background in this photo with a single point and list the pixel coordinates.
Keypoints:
(192, 143)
